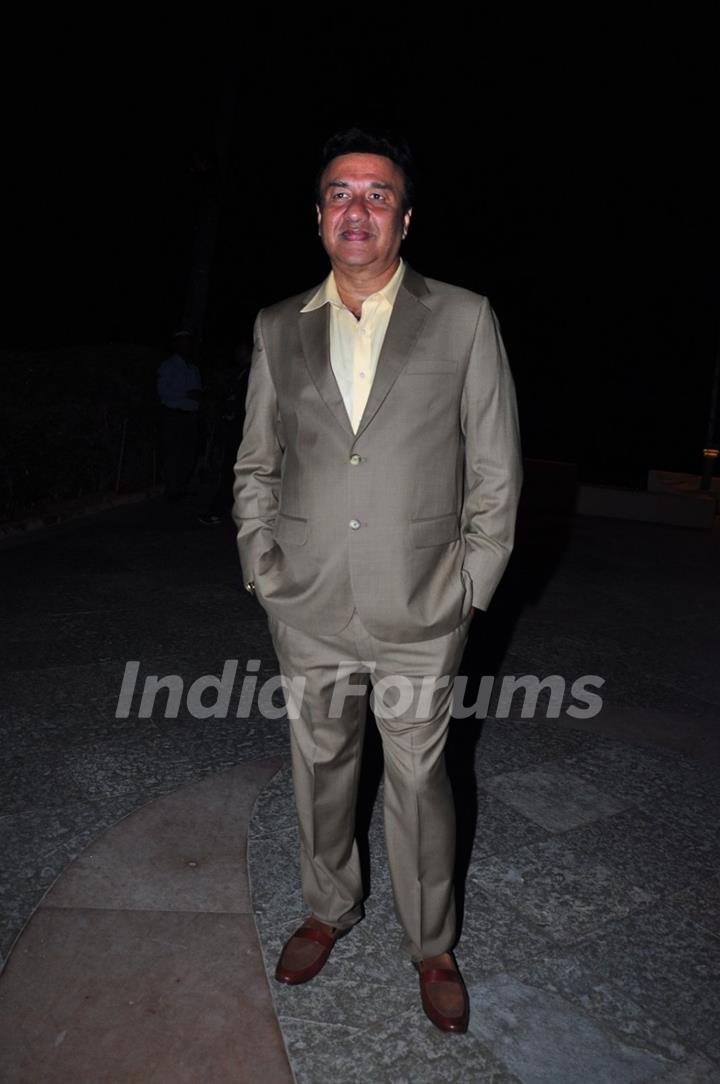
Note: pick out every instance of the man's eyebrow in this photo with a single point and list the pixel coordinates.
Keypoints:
(373, 184)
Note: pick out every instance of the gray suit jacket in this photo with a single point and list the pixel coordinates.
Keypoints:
(409, 521)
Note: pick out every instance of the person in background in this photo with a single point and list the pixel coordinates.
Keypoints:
(179, 387)
(228, 437)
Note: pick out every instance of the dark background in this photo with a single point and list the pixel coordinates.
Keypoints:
(566, 171)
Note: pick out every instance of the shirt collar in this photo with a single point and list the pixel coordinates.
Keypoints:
(328, 292)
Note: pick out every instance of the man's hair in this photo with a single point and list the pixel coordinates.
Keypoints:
(376, 141)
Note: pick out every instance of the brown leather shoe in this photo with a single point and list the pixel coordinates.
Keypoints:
(448, 1008)
(297, 962)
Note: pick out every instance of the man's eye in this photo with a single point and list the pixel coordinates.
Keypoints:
(377, 195)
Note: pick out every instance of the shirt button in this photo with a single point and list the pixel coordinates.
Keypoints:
(355, 524)
(354, 459)
(362, 376)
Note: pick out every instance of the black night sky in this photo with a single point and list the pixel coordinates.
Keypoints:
(568, 174)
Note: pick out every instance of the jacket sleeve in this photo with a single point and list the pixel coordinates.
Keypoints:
(493, 463)
(258, 468)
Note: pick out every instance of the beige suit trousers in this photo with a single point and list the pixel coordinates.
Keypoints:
(413, 709)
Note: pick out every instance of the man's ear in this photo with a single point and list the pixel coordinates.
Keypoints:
(406, 221)
(319, 215)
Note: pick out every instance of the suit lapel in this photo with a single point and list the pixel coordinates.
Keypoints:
(315, 339)
(406, 323)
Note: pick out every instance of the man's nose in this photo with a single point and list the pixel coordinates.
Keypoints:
(356, 208)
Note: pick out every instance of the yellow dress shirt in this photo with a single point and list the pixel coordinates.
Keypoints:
(355, 344)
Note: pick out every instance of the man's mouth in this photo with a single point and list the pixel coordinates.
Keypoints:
(355, 235)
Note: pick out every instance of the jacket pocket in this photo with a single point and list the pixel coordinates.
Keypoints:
(291, 530)
(438, 531)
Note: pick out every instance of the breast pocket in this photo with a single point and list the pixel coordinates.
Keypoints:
(429, 366)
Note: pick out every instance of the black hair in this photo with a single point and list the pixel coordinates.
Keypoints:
(376, 141)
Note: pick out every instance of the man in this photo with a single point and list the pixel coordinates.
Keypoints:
(179, 387)
(375, 498)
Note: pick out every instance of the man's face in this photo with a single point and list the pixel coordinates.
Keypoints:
(360, 214)
(184, 346)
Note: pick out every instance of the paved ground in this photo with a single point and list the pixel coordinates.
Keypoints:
(591, 901)
(142, 962)
(590, 941)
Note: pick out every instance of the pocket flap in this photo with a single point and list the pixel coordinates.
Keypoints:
(435, 532)
(291, 530)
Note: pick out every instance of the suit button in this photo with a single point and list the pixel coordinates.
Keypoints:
(354, 459)
(355, 524)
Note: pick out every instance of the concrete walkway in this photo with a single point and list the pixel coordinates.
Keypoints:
(588, 850)
(142, 962)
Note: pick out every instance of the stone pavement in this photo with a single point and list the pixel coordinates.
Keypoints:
(590, 942)
(589, 849)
